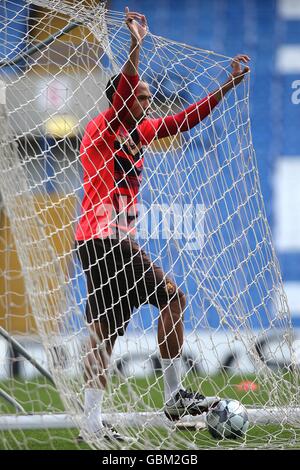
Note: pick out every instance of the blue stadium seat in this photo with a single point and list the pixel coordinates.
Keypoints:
(13, 37)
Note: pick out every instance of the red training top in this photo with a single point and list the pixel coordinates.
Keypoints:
(112, 159)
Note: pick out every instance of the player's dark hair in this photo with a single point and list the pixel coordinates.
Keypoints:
(112, 86)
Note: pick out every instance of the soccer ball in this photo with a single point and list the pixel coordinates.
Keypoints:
(228, 419)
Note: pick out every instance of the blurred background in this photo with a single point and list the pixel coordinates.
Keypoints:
(267, 30)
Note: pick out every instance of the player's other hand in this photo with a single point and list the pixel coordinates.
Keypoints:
(137, 24)
(238, 73)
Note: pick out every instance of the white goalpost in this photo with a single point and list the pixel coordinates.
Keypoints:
(201, 218)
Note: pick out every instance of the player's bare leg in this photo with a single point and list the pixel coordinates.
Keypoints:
(170, 328)
(98, 357)
(96, 365)
(178, 401)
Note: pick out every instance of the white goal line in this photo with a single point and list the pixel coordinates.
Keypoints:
(257, 416)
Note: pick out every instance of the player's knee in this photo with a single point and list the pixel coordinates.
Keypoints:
(178, 302)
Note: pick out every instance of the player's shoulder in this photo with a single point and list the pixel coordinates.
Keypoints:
(100, 118)
(144, 125)
(97, 125)
(149, 123)
(148, 128)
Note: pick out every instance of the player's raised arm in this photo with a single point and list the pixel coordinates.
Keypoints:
(196, 112)
(137, 24)
(123, 93)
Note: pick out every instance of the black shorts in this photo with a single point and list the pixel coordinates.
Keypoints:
(120, 276)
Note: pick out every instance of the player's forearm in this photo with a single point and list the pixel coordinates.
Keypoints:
(221, 92)
(124, 96)
(132, 65)
(188, 118)
(122, 102)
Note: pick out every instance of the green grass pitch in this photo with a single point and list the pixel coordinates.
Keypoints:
(38, 397)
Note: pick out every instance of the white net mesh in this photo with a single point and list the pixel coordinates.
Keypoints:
(201, 218)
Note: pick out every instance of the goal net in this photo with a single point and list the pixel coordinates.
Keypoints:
(201, 218)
